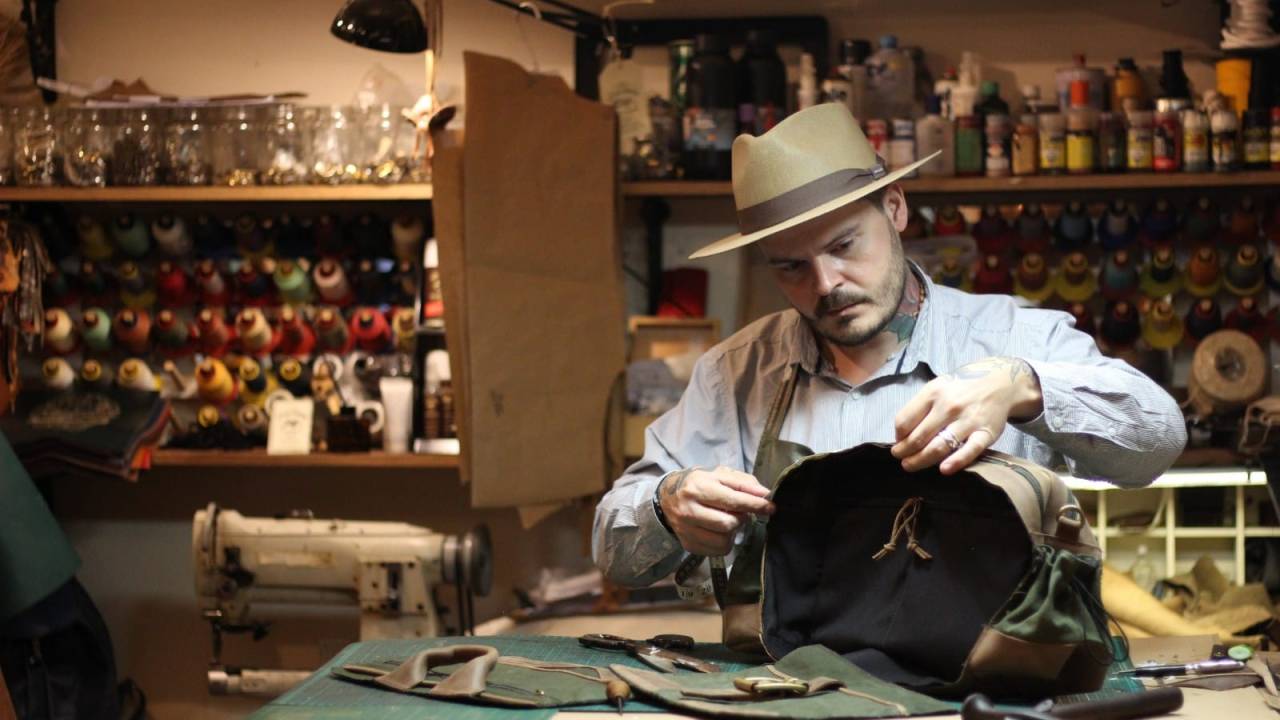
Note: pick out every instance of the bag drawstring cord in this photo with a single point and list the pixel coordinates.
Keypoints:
(905, 521)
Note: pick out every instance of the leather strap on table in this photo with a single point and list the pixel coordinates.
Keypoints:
(467, 681)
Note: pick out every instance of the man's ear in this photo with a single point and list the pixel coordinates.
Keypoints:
(895, 207)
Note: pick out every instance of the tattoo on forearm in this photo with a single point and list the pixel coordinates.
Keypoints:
(672, 484)
(1015, 367)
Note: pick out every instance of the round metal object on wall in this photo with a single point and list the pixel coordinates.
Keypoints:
(1228, 371)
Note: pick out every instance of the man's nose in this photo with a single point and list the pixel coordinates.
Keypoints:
(826, 275)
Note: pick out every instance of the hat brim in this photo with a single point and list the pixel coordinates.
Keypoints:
(737, 240)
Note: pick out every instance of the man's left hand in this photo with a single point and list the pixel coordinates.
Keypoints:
(955, 417)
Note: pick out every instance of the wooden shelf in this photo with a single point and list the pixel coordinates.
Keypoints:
(261, 193)
(377, 460)
(985, 185)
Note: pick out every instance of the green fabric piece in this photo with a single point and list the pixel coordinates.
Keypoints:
(1059, 601)
(506, 685)
(35, 556)
(687, 692)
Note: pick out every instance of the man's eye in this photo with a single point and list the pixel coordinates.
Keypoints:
(843, 247)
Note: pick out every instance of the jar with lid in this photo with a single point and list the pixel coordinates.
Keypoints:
(285, 162)
(35, 152)
(1111, 136)
(1138, 141)
(710, 115)
(1025, 153)
(8, 130)
(86, 146)
(236, 148)
(334, 146)
(186, 147)
(1053, 143)
(1226, 140)
(1257, 138)
(998, 137)
(1167, 135)
(135, 155)
(970, 146)
(1195, 141)
(383, 126)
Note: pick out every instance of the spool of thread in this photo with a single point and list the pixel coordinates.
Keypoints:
(952, 274)
(1248, 319)
(1083, 318)
(173, 287)
(215, 335)
(93, 239)
(208, 417)
(404, 281)
(131, 235)
(1162, 328)
(57, 289)
(57, 373)
(331, 332)
(1203, 319)
(331, 283)
(1204, 277)
(250, 239)
(1075, 282)
(369, 235)
(292, 282)
(171, 236)
(1119, 277)
(1161, 277)
(135, 375)
(93, 282)
(1244, 272)
(407, 232)
(254, 289)
(327, 238)
(372, 415)
(404, 326)
(992, 233)
(370, 284)
(1228, 371)
(59, 332)
(1118, 228)
(949, 221)
(94, 375)
(1243, 225)
(1160, 224)
(1074, 228)
(252, 421)
(213, 287)
(95, 330)
(1202, 222)
(296, 337)
(214, 383)
(172, 336)
(132, 330)
(1033, 231)
(254, 332)
(295, 377)
(370, 330)
(1120, 325)
(252, 378)
(135, 292)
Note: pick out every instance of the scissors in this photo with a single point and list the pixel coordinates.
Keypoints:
(661, 652)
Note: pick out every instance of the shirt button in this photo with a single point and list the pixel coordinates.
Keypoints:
(1055, 423)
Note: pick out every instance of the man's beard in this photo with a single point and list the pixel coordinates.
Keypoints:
(886, 299)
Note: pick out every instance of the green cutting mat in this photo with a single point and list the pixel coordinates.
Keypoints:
(323, 696)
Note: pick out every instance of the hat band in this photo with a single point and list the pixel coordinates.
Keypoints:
(806, 197)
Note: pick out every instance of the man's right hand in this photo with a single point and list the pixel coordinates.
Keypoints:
(705, 508)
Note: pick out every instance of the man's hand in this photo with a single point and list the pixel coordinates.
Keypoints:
(705, 508)
(954, 418)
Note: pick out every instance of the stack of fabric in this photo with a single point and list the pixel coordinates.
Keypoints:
(107, 432)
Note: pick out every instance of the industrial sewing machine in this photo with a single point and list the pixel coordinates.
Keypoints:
(389, 569)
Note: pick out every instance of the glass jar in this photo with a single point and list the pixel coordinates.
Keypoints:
(335, 146)
(236, 147)
(186, 147)
(8, 131)
(383, 126)
(411, 153)
(135, 155)
(86, 147)
(35, 152)
(286, 161)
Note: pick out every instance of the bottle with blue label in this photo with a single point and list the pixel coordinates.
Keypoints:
(710, 116)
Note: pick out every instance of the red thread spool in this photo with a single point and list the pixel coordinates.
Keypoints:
(296, 337)
(132, 329)
(213, 287)
(215, 335)
(993, 277)
(370, 329)
(173, 289)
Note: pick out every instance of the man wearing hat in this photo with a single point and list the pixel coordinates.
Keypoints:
(871, 351)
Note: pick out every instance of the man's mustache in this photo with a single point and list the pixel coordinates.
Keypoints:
(838, 299)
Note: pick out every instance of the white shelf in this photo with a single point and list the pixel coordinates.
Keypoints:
(1194, 532)
(1183, 477)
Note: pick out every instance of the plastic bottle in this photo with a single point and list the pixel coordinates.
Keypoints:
(853, 67)
(964, 96)
(990, 102)
(999, 135)
(970, 146)
(1167, 137)
(891, 80)
(1226, 140)
(807, 94)
(1095, 80)
(1195, 141)
(1081, 131)
(1173, 79)
(1111, 136)
(762, 84)
(933, 133)
(902, 145)
(1138, 141)
(1257, 138)
(710, 116)
(1143, 571)
(1127, 90)
(1053, 143)
(943, 88)
(1025, 153)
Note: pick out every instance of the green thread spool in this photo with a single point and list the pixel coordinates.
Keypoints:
(294, 285)
(131, 235)
(96, 330)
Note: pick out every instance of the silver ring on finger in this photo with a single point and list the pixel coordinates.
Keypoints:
(950, 438)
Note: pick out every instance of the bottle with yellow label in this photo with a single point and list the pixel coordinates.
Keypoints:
(1081, 131)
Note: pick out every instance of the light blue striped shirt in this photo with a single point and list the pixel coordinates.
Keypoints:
(1101, 416)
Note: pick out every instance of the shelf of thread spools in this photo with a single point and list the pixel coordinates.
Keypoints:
(228, 315)
(1149, 281)
(212, 193)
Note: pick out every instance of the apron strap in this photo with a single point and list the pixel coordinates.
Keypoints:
(777, 412)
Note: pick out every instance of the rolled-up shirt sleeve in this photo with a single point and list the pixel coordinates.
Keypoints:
(628, 543)
(1107, 419)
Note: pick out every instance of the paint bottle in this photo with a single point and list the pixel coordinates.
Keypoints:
(1025, 146)
(936, 133)
(1226, 140)
(1195, 141)
(1081, 131)
(1257, 139)
(1053, 144)
(1111, 137)
(970, 146)
(1138, 141)
(999, 139)
(1167, 135)
(902, 148)
(1275, 138)
(1127, 89)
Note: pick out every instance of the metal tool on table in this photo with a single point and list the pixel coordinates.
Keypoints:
(1150, 703)
(661, 652)
(1204, 667)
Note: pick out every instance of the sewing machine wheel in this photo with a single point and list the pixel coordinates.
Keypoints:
(468, 561)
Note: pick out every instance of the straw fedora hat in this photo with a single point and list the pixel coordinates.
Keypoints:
(811, 163)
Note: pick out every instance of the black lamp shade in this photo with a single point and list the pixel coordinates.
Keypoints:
(387, 25)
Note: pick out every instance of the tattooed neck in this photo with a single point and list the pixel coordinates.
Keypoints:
(903, 321)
